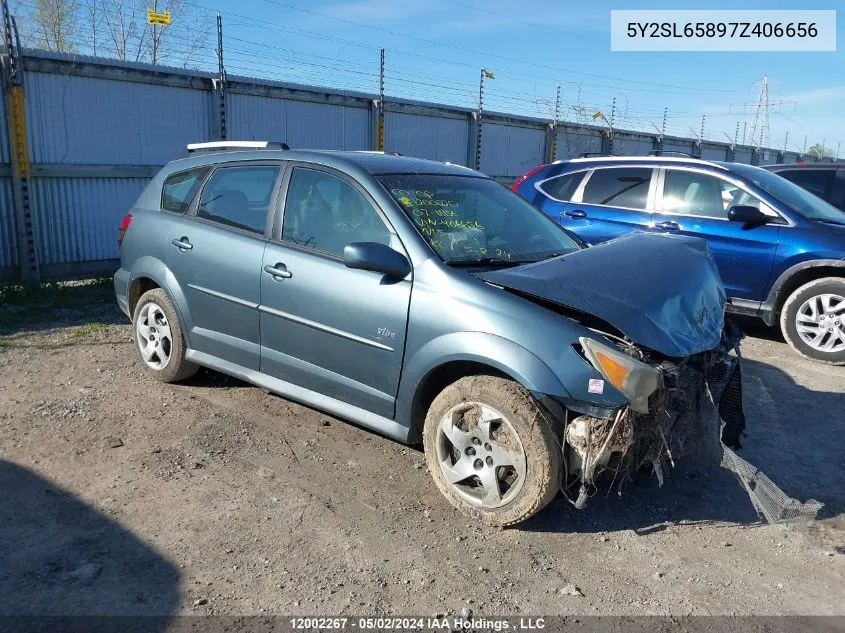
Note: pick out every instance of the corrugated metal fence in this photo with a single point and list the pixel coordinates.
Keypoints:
(97, 130)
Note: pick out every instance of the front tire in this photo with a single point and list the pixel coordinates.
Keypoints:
(813, 320)
(491, 451)
(158, 338)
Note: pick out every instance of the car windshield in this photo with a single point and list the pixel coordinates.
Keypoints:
(469, 220)
(796, 198)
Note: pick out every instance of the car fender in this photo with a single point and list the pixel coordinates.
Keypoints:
(156, 270)
(480, 347)
(772, 298)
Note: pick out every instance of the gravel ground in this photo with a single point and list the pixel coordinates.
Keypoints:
(125, 496)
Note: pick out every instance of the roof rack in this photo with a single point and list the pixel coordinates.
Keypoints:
(662, 152)
(590, 154)
(223, 145)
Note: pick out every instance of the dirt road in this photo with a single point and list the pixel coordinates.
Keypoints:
(125, 496)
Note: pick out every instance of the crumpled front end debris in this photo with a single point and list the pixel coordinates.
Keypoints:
(696, 412)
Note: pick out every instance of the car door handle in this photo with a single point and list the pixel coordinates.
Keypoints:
(577, 214)
(668, 226)
(279, 271)
(182, 243)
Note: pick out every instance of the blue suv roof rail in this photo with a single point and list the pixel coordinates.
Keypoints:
(645, 159)
(664, 152)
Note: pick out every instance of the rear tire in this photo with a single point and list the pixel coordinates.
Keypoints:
(813, 320)
(490, 450)
(158, 338)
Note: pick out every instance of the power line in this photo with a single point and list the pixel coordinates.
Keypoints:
(487, 54)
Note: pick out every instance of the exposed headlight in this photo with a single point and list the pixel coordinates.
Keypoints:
(636, 380)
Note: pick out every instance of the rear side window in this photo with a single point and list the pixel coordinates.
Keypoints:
(563, 187)
(618, 187)
(179, 189)
(816, 181)
(239, 196)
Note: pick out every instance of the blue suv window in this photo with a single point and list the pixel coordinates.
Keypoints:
(563, 187)
(239, 196)
(618, 187)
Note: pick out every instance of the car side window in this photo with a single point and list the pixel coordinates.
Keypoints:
(562, 187)
(179, 189)
(618, 187)
(703, 195)
(325, 213)
(816, 181)
(239, 196)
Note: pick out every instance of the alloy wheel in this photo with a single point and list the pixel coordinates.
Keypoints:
(820, 322)
(155, 340)
(481, 455)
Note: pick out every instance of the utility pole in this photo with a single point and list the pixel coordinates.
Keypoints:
(380, 107)
(838, 147)
(786, 142)
(804, 151)
(744, 130)
(761, 114)
(11, 75)
(219, 85)
(663, 127)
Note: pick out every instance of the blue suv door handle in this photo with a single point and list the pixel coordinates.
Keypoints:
(577, 214)
(668, 226)
(279, 271)
(183, 244)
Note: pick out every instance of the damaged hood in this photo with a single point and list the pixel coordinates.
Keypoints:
(663, 292)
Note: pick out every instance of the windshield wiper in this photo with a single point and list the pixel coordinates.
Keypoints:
(488, 261)
(826, 221)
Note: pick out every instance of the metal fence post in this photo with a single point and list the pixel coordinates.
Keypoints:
(12, 78)
(218, 90)
(473, 149)
(550, 150)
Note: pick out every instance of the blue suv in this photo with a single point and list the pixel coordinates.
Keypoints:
(779, 249)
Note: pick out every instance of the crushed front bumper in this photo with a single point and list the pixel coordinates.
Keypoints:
(696, 412)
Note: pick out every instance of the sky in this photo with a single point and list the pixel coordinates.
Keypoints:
(434, 50)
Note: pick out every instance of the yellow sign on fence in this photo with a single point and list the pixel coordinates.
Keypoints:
(158, 18)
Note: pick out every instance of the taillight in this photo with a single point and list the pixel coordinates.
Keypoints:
(525, 177)
(124, 224)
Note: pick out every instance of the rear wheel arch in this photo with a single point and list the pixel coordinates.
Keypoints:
(148, 273)
(137, 287)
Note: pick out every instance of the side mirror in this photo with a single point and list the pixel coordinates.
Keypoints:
(376, 257)
(748, 215)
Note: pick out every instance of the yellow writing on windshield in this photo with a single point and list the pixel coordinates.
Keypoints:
(433, 214)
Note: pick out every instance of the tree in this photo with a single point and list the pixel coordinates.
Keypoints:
(116, 28)
(54, 24)
(820, 151)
